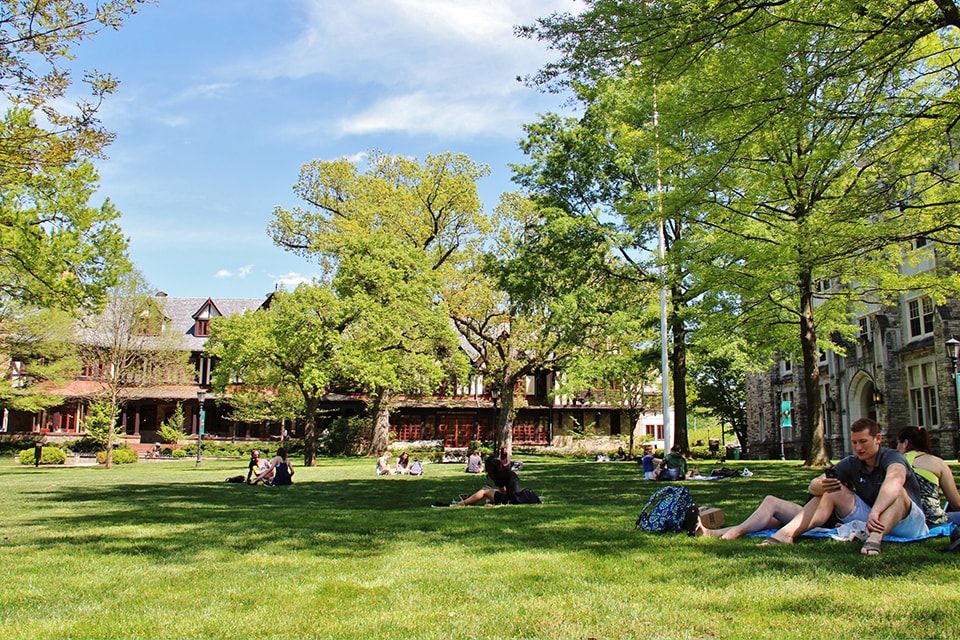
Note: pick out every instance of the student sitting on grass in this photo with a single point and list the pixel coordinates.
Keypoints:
(874, 485)
(281, 469)
(256, 466)
(674, 465)
(935, 477)
(383, 465)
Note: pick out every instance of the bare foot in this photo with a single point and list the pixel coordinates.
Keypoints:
(774, 540)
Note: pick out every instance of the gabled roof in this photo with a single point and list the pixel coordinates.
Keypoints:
(183, 313)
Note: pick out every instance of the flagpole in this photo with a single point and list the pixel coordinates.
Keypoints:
(664, 337)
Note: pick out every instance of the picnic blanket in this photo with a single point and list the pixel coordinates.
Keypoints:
(852, 531)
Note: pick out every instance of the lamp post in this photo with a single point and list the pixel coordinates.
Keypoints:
(495, 395)
(201, 396)
(778, 411)
(953, 350)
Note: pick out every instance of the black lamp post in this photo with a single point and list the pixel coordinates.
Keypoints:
(829, 406)
(201, 396)
(953, 350)
(778, 411)
(495, 395)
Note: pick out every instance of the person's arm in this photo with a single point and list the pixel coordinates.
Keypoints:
(948, 485)
(270, 465)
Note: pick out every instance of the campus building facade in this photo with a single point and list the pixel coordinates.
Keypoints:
(454, 415)
(901, 370)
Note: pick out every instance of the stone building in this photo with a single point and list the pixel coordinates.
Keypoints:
(900, 371)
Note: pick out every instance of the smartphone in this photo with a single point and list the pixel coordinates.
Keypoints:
(830, 473)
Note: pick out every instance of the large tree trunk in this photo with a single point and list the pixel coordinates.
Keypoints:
(813, 441)
(380, 439)
(679, 375)
(505, 416)
(309, 432)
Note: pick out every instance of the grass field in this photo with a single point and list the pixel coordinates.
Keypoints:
(165, 550)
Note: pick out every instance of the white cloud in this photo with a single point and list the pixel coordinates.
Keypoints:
(433, 66)
(223, 273)
(290, 280)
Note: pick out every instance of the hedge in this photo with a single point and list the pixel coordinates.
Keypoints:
(50, 455)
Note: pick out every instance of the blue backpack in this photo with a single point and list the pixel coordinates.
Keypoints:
(670, 509)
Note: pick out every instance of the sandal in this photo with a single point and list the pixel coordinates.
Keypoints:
(870, 548)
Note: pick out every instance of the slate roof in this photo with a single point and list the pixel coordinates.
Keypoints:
(182, 313)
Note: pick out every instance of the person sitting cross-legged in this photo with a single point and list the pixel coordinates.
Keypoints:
(875, 485)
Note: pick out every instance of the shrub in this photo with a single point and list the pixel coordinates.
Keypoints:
(345, 437)
(172, 429)
(83, 445)
(101, 417)
(121, 455)
(702, 453)
(178, 453)
(50, 455)
(13, 445)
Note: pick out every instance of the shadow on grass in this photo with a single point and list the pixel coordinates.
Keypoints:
(589, 508)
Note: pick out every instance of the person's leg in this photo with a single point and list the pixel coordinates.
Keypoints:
(485, 493)
(898, 519)
(815, 513)
(954, 517)
(772, 513)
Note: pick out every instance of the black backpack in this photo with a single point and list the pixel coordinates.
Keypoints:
(670, 509)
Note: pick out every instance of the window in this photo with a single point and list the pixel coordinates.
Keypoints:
(202, 328)
(921, 317)
(922, 389)
(866, 330)
(919, 243)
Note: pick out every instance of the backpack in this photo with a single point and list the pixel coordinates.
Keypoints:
(670, 509)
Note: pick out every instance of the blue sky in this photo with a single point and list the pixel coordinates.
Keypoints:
(222, 101)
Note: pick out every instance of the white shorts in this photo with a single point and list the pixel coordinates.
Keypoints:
(913, 526)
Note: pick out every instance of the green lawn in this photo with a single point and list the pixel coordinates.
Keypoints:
(164, 550)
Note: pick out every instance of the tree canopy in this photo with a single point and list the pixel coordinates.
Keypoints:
(819, 134)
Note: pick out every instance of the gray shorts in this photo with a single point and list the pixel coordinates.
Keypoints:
(913, 526)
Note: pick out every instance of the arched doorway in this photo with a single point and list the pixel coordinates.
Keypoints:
(861, 402)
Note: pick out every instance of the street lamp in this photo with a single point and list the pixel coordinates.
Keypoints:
(953, 350)
(201, 396)
(495, 395)
(829, 406)
(778, 410)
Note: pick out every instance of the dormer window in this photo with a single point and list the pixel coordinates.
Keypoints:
(150, 321)
(201, 319)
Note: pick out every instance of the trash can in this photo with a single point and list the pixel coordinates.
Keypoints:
(733, 453)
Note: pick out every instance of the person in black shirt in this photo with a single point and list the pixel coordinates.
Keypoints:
(507, 491)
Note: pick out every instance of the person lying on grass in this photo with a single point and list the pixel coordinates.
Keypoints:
(874, 485)
(508, 486)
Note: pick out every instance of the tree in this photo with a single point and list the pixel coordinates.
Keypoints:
(172, 429)
(37, 41)
(130, 344)
(290, 349)
(389, 239)
(721, 389)
(813, 117)
(533, 299)
(40, 354)
(55, 249)
(619, 159)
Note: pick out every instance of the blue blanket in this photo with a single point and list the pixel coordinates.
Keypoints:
(821, 532)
